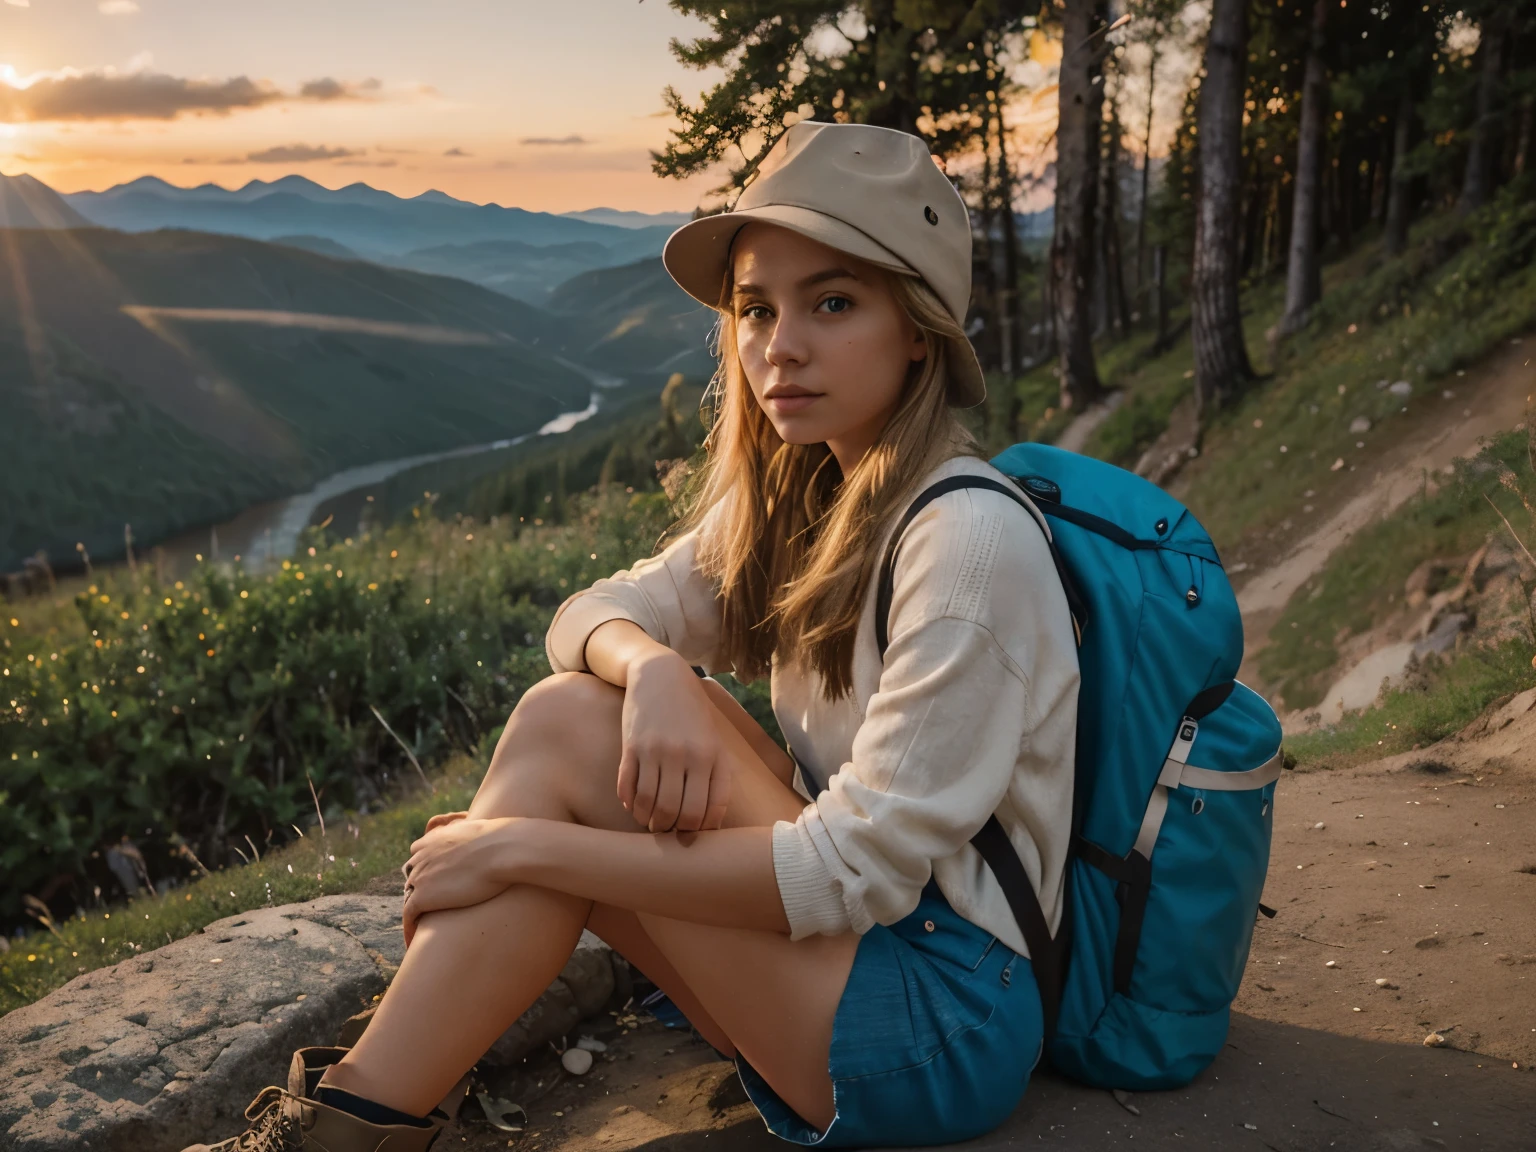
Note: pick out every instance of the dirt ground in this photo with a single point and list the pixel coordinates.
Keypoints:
(1419, 870)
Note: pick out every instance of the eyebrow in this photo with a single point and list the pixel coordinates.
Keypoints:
(813, 278)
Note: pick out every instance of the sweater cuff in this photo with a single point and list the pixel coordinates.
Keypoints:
(813, 899)
(566, 641)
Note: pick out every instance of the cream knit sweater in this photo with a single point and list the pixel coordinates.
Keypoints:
(973, 711)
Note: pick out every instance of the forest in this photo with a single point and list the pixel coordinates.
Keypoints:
(1299, 127)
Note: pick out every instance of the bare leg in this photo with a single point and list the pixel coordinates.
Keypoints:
(471, 971)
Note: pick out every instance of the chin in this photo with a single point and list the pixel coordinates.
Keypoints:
(802, 432)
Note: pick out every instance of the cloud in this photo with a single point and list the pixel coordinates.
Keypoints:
(298, 154)
(572, 139)
(367, 163)
(457, 152)
(327, 88)
(19, 3)
(140, 94)
(117, 7)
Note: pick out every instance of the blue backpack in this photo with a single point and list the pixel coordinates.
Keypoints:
(1176, 771)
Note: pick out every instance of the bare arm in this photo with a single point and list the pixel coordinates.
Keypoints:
(722, 877)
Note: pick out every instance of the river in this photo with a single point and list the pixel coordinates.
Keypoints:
(267, 533)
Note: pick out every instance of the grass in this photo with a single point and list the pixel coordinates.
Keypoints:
(1361, 584)
(349, 853)
(1460, 689)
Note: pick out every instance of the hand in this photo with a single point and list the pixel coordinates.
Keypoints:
(443, 818)
(673, 775)
(459, 863)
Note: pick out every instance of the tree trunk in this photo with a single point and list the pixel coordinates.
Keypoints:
(1221, 357)
(1523, 141)
(1399, 206)
(1077, 168)
(1160, 294)
(989, 232)
(1006, 302)
(1303, 276)
(1119, 308)
(1146, 167)
(1477, 181)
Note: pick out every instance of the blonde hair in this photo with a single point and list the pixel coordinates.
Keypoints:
(791, 540)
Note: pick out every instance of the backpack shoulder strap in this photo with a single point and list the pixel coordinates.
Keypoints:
(1046, 956)
(886, 586)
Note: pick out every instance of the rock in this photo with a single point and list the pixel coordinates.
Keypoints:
(577, 1061)
(582, 989)
(168, 1047)
(1400, 388)
(1442, 638)
(1360, 424)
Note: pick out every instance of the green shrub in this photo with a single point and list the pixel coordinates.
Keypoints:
(232, 705)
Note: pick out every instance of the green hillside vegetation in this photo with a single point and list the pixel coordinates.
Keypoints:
(166, 424)
(636, 317)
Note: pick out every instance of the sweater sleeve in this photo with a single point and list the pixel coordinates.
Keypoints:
(974, 633)
(665, 594)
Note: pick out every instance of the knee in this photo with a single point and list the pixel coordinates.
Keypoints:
(572, 715)
(564, 707)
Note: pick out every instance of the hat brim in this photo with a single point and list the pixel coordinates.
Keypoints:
(697, 257)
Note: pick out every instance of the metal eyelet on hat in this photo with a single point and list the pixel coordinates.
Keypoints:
(930, 215)
(927, 925)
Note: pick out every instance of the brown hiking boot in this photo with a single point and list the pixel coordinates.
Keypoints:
(291, 1120)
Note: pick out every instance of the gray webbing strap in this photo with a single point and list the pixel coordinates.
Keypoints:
(1157, 806)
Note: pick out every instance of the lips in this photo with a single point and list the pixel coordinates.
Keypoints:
(786, 399)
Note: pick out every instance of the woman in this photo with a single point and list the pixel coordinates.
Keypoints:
(821, 918)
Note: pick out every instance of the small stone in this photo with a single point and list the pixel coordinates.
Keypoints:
(1319, 826)
(1401, 388)
(591, 1044)
(1435, 1040)
(1360, 424)
(1331, 964)
(1337, 465)
(1383, 982)
(577, 1061)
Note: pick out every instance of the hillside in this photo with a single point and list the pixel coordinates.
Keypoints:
(172, 379)
(526, 272)
(26, 202)
(636, 318)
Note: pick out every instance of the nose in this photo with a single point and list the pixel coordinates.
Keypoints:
(786, 344)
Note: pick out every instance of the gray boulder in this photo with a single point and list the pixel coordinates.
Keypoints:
(168, 1047)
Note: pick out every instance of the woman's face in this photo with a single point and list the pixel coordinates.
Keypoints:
(823, 342)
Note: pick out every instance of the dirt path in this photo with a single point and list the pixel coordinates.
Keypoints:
(1491, 398)
(1423, 874)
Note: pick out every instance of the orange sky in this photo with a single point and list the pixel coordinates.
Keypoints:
(546, 106)
(549, 106)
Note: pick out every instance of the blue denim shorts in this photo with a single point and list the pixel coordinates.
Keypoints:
(933, 1042)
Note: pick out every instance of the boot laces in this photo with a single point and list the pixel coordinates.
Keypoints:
(274, 1127)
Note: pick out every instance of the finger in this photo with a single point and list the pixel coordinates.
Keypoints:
(444, 818)
(695, 801)
(629, 776)
(719, 796)
(669, 798)
(408, 918)
(645, 791)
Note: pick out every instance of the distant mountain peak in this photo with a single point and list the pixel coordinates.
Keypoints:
(26, 202)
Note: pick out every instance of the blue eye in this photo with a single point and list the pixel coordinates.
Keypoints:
(836, 299)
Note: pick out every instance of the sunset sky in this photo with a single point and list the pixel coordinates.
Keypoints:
(542, 105)
(549, 105)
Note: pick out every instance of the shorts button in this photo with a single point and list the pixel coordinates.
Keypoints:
(1007, 977)
(927, 925)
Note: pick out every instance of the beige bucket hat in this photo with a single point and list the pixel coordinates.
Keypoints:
(875, 193)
